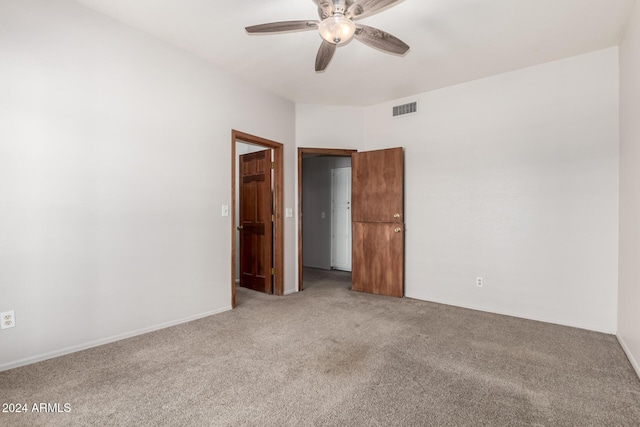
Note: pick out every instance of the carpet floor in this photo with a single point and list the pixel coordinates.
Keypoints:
(330, 356)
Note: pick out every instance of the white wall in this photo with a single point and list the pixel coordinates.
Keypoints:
(324, 126)
(515, 178)
(629, 289)
(114, 163)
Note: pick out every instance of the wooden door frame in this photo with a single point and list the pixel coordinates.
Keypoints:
(278, 203)
(301, 153)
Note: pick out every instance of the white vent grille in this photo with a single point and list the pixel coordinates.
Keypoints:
(401, 110)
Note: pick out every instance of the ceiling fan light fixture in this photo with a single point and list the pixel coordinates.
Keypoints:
(337, 29)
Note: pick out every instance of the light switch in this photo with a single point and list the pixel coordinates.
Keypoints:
(323, 215)
(288, 212)
(225, 210)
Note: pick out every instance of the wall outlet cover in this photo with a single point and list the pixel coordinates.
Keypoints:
(7, 319)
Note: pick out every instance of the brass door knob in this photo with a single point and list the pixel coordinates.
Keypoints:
(397, 215)
(397, 229)
(240, 227)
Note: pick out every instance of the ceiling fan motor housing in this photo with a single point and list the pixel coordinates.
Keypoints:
(339, 7)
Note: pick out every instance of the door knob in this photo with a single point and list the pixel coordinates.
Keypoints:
(396, 215)
(397, 229)
(240, 227)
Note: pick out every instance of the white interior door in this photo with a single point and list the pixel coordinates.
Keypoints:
(341, 219)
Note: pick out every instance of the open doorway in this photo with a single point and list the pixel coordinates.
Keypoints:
(324, 192)
(271, 163)
(377, 219)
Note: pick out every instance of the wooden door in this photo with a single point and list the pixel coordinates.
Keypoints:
(256, 250)
(378, 222)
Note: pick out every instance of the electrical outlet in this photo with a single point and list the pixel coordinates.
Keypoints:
(7, 319)
(479, 282)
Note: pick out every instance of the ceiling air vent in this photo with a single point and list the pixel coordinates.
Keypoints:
(401, 110)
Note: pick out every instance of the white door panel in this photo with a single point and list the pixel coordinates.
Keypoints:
(341, 219)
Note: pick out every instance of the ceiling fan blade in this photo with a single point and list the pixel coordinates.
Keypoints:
(277, 27)
(380, 39)
(363, 8)
(325, 53)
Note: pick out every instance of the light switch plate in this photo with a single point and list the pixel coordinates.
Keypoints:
(288, 212)
(225, 210)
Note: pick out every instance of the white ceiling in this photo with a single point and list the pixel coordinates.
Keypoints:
(452, 41)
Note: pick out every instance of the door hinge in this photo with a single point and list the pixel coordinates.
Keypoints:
(273, 218)
(273, 270)
(273, 165)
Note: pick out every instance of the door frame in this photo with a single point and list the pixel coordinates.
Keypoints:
(278, 206)
(301, 153)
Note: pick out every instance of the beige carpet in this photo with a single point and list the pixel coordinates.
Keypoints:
(328, 356)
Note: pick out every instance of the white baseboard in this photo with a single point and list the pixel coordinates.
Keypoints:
(632, 360)
(290, 291)
(96, 343)
(518, 315)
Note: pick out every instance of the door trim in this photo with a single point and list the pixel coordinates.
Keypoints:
(301, 152)
(278, 201)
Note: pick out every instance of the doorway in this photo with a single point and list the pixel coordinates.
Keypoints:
(315, 215)
(377, 218)
(276, 224)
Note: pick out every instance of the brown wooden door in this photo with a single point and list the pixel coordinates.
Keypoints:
(256, 250)
(378, 222)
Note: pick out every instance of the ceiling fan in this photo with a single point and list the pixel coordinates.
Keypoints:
(336, 27)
